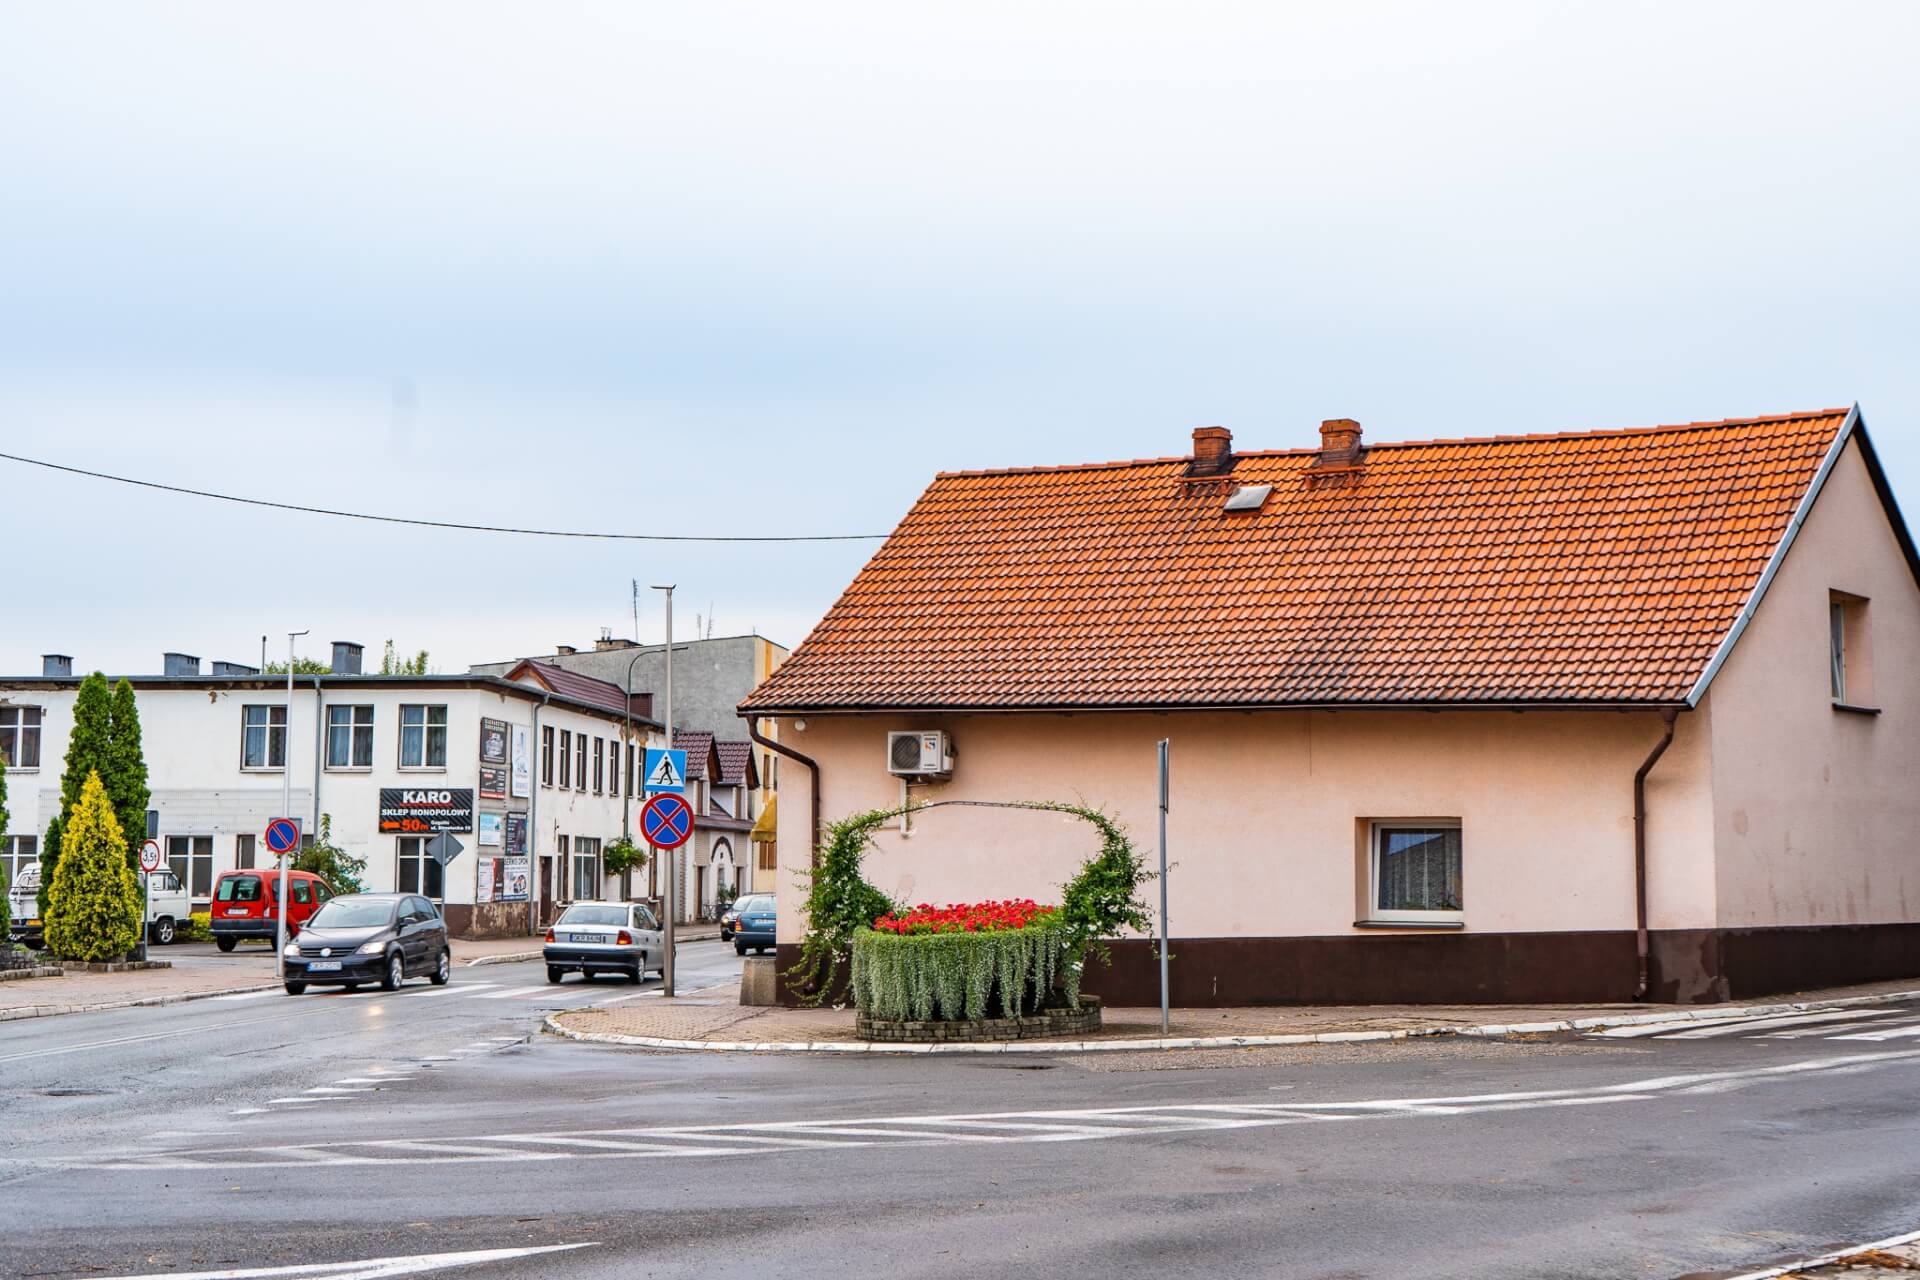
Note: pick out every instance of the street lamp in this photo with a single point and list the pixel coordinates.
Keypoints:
(626, 805)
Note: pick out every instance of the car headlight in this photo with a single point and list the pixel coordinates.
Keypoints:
(373, 948)
(291, 949)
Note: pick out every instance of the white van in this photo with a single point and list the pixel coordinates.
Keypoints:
(23, 909)
(168, 905)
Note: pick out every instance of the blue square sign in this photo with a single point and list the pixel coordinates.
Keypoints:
(666, 770)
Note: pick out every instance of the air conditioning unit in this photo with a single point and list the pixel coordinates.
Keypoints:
(919, 755)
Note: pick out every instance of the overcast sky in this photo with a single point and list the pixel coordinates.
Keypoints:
(764, 269)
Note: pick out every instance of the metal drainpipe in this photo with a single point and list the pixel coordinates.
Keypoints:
(319, 745)
(1640, 848)
(813, 772)
(533, 820)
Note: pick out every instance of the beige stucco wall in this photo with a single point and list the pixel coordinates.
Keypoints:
(1817, 810)
(1266, 808)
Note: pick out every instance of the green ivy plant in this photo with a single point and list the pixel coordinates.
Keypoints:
(1099, 902)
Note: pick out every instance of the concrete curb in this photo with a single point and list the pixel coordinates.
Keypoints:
(1492, 1031)
(510, 957)
(52, 1010)
(1826, 1259)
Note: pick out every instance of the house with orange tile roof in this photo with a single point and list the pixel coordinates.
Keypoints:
(1588, 716)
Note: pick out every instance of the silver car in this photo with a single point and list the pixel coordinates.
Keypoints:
(605, 937)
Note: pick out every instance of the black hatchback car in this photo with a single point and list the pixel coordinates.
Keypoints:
(359, 938)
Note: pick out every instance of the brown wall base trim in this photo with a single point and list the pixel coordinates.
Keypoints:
(1686, 966)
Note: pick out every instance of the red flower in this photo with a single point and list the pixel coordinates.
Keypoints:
(973, 917)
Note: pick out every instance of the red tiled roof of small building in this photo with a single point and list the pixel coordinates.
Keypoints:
(571, 684)
(699, 748)
(1599, 567)
(736, 762)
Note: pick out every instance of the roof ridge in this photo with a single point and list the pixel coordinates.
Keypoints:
(1521, 438)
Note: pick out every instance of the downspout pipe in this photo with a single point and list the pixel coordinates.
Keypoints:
(813, 772)
(1640, 848)
(319, 747)
(533, 820)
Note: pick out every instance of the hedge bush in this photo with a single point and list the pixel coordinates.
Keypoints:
(954, 976)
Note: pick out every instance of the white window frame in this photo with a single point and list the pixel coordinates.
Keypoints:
(13, 731)
(425, 725)
(271, 729)
(193, 848)
(355, 727)
(413, 850)
(16, 853)
(1376, 914)
(586, 858)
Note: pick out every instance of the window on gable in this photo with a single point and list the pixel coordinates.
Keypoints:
(1849, 650)
(1415, 872)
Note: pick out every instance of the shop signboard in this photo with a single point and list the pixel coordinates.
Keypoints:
(424, 810)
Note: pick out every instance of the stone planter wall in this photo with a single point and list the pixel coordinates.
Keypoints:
(1052, 1023)
(113, 966)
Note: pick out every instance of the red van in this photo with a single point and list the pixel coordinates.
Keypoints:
(244, 904)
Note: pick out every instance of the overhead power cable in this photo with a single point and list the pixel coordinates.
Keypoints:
(447, 524)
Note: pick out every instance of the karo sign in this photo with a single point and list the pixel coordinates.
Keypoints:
(666, 821)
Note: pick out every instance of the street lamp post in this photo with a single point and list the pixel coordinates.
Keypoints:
(673, 855)
(286, 811)
(626, 805)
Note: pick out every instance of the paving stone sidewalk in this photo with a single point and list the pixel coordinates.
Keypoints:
(196, 973)
(715, 1015)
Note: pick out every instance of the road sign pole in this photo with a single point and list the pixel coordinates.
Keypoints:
(1163, 887)
(286, 810)
(673, 855)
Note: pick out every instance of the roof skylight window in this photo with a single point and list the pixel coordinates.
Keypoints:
(1248, 497)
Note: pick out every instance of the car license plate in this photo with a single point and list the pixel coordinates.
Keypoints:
(236, 911)
(585, 937)
(324, 964)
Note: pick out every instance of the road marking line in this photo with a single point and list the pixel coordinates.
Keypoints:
(510, 993)
(367, 1268)
(334, 1090)
(242, 995)
(1830, 1031)
(370, 1080)
(1757, 1024)
(464, 989)
(281, 1102)
(1892, 1033)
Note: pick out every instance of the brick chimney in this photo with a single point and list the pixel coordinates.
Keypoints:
(1341, 454)
(1212, 452)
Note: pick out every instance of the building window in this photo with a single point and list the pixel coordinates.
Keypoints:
(546, 756)
(769, 855)
(17, 853)
(613, 767)
(599, 765)
(423, 738)
(566, 759)
(1849, 654)
(191, 858)
(263, 738)
(586, 868)
(633, 768)
(20, 737)
(349, 737)
(243, 852)
(419, 871)
(1416, 872)
(580, 760)
(560, 844)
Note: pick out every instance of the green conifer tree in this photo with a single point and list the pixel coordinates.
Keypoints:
(89, 751)
(49, 859)
(126, 780)
(95, 910)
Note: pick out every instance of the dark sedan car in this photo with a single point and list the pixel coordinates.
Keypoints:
(370, 937)
(753, 923)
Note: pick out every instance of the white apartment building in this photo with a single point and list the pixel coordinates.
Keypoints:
(533, 772)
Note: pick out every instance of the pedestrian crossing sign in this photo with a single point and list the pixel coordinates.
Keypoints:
(666, 770)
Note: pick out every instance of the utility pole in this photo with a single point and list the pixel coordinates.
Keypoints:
(1163, 886)
(673, 855)
(286, 811)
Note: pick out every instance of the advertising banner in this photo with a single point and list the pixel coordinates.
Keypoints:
(422, 811)
(516, 835)
(483, 882)
(516, 878)
(490, 824)
(493, 741)
(493, 781)
(522, 762)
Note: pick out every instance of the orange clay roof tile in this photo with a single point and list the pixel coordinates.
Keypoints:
(1604, 566)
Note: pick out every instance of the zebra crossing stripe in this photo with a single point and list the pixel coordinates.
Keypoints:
(1756, 1024)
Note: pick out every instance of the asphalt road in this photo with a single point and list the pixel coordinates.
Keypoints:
(270, 1132)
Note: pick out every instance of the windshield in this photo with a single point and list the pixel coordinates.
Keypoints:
(345, 913)
(754, 904)
(594, 915)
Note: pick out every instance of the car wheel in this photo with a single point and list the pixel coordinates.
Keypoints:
(555, 973)
(395, 975)
(225, 944)
(163, 931)
(443, 972)
(637, 974)
(739, 948)
(296, 988)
